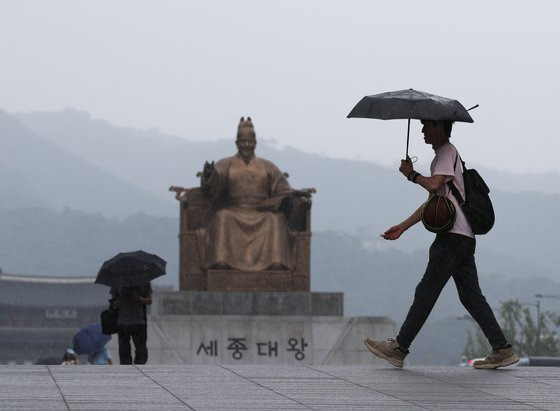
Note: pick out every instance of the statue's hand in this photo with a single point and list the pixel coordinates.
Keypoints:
(305, 192)
(180, 192)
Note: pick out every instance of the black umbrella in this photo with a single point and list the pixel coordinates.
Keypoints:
(408, 104)
(130, 269)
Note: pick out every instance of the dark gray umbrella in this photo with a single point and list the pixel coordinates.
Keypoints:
(408, 104)
(130, 269)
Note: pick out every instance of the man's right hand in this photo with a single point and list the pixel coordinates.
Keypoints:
(394, 232)
(406, 166)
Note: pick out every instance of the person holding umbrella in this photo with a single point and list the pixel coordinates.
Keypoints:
(452, 252)
(129, 275)
(451, 255)
(132, 321)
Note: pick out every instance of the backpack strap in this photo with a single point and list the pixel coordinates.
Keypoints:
(452, 186)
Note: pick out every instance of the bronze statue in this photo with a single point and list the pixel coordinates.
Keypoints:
(248, 231)
(254, 221)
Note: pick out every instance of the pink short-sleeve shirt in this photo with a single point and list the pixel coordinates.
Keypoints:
(444, 164)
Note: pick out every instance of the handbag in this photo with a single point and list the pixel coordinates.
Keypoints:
(109, 320)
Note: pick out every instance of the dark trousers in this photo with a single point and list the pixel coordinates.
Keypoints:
(451, 255)
(139, 335)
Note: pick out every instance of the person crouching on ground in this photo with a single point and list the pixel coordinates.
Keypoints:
(101, 357)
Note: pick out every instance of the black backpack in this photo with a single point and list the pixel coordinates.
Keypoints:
(477, 205)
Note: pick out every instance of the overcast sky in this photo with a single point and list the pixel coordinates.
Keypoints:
(192, 68)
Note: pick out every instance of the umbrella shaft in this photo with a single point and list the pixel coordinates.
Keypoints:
(407, 139)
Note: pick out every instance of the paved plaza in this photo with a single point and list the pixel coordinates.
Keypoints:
(277, 387)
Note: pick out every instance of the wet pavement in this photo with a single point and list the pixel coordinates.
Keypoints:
(263, 387)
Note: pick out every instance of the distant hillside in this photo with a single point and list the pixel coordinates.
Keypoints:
(38, 172)
(147, 159)
(375, 281)
(70, 160)
(382, 282)
(517, 183)
(12, 193)
(353, 196)
(39, 241)
(178, 159)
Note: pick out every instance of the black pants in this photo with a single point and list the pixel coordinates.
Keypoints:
(451, 255)
(139, 335)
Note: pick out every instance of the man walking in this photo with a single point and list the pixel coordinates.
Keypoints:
(132, 321)
(451, 255)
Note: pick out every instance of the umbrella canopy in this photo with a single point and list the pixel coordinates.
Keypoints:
(406, 104)
(131, 269)
(90, 339)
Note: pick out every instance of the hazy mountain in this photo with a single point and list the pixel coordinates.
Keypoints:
(516, 182)
(69, 159)
(12, 193)
(110, 147)
(383, 282)
(38, 172)
(375, 282)
(353, 196)
(147, 159)
(39, 241)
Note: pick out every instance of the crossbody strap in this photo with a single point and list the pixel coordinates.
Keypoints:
(452, 186)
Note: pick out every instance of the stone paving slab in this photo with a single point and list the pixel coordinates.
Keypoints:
(260, 387)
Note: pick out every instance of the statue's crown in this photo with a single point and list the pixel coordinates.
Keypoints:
(245, 123)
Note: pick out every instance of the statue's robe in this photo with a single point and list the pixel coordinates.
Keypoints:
(247, 232)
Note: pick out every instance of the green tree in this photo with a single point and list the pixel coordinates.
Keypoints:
(477, 345)
(528, 335)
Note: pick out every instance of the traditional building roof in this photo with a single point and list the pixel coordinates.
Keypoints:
(40, 291)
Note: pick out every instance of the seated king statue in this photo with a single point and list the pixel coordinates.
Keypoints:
(248, 231)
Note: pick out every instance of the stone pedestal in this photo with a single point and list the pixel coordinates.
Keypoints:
(248, 303)
(204, 327)
(243, 339)
(234, 280)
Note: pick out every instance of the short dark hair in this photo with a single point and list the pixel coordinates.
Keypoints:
(69, 356)
(447, 127)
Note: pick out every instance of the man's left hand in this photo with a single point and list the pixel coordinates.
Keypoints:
(394, 232)
(406, 166)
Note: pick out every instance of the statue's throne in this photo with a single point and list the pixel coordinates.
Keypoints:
(196, 212)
